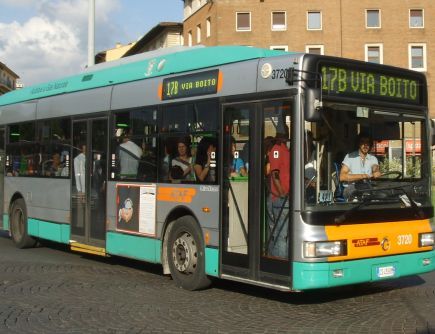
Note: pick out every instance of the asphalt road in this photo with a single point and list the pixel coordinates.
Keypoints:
(52, 290)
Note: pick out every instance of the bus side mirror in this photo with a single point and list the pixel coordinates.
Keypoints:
(313, 105)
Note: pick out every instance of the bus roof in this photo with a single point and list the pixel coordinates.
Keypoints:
(149, 65)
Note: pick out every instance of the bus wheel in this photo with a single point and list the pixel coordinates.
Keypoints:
(19, 225)
(186, 255)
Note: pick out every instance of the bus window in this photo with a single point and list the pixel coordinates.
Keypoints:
(177, 159)
(205, 165)
(21, 150)
(134, 145)
(54, 137)
(190, 117)
(364, 153)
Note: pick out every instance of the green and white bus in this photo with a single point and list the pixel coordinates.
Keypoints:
(225, 162)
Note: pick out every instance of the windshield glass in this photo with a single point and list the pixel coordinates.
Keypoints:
(366, 155)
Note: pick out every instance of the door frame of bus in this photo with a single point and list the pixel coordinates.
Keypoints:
(253, 266)
(2, 171)
(86, 237)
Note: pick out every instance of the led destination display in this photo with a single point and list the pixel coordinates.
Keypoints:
(190, 85)
(340, 81)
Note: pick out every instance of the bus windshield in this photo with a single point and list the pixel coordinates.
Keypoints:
(361, 159)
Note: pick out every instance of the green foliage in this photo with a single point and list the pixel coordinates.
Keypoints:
(413, 166)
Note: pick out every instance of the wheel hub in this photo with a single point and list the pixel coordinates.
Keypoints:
(184, 253)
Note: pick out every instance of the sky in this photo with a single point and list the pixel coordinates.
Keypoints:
(48, 39)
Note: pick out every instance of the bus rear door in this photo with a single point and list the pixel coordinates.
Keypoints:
(89, 178)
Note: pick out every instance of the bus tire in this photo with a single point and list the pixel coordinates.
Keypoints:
(186, 257)
(18, 227)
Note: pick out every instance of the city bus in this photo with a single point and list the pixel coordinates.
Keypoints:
(226, 162)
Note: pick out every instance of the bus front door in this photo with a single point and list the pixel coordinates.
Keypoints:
(89, 178)
(256, 218)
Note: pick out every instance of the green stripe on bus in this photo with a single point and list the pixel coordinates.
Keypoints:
(321, 275)
(5, 222)
(49, 231)
(212, 261)
(132, 246)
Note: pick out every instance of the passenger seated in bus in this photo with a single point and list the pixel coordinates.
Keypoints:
(204, 171)
(183, 160)
(129, 155)
(176, 174)
(237, 167)
(56, 168)
(359, 166)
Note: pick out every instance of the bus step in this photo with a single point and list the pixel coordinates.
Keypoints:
(78, 247)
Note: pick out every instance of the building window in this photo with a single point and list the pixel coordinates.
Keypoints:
(374, 53)
(187, 8)
(279, 21)
(279, 47)
(373, 18)
(208, 27)
(416, 18)
(315, 49)
(198, 34)
(314, 20)
(243, 21)
(417, 57)
(189, 38)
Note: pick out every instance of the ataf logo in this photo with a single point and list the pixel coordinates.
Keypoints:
(366, 242)
(385, 244)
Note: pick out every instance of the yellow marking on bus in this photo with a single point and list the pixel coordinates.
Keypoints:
(379, 239)
(78, 247)
(181, 195)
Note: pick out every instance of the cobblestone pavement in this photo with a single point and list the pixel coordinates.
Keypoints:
(51, 290)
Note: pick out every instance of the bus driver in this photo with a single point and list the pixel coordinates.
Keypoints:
(359, 165)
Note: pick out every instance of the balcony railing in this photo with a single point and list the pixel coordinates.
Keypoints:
(7, 82)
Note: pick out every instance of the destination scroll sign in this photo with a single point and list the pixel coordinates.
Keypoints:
(190, 85)
(345, 82)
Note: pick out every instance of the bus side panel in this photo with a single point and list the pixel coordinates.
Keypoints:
(47, 200)
(212, 261)
(79, 103)
(133, 246)
(203, 202)
(49, 231)
(169, 199)
(18, 113)
(238, 78)
(5, 221)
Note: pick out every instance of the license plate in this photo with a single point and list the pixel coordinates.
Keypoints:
(387, 271)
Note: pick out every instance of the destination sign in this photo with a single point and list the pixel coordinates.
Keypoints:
(190, 85)
(345, 82)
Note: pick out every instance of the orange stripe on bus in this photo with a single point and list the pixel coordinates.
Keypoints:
(180, 195)
(160, 91)
(220, 81)
(380, 239)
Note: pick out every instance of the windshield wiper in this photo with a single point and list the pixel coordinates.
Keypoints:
(369, 199)
(409, 201)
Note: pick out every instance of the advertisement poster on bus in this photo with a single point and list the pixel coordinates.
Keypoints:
(136, 207)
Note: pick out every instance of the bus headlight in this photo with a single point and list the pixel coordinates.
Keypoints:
(427, 239)
(324, 248)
